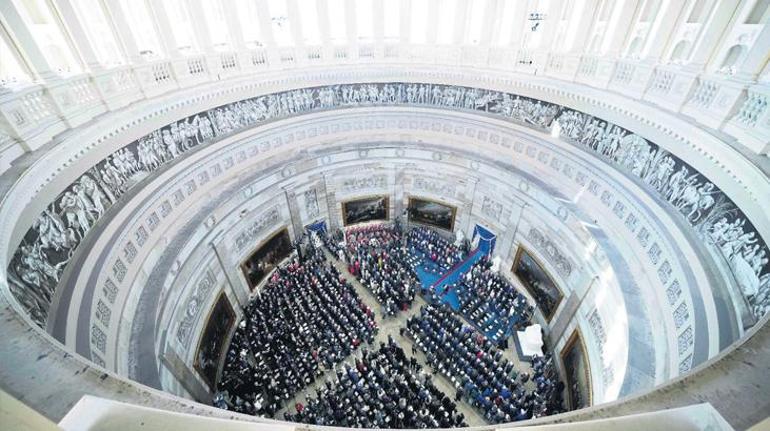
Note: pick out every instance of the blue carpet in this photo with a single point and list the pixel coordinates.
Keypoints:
(443, 283)
(433, 277)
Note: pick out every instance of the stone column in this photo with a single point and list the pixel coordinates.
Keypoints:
(266, 29)
(294, 215)
(490, 14)
(123, 30)
(399, 176)
(405, 26)
(163, 25)
(461, 18)
(350, 22)
(295, 22)
(198, 18)
(756, 58)
(30, 50)
(432, 35)
(331, 206)
(378, 10)
(240, 290)
(323, 22)
(711, 33)
(621, 31)
(519, 23)
(585, 24)
(79, 35)
(663, 30)
(233, 25)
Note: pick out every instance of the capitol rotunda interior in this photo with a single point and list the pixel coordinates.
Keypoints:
(384, 214)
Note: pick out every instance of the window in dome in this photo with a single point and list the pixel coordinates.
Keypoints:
(181, 25)
(606, 9)
(142, 28)
(507, 23)
(759, 13)
(308, 15)
(650, 9)
(698, 11)
(49, 36)
(216, 23)
(475, 21)
(279, 17)
(247, 14)
(446, 21)
(11, 68)
(337, 27)
(98, 32)
(365, 20)
(392, 20)
(418, 29)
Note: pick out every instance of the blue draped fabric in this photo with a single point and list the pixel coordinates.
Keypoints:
(486, 239)
(319, 227)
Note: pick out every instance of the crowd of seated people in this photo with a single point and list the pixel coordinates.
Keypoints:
(382, 389)
(305, 318)
(491, 303)
(482, 376)
(377, 257)
(439, 255)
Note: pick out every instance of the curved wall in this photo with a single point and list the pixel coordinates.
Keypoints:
(549, 168)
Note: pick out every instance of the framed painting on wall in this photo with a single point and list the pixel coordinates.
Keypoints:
(266, 257)
(537, 282)
(213, 343)
(366, 209)
(432, 213)
(574, 358)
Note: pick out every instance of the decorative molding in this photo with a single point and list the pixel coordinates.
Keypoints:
(491, 208)
(357, 184)
(553, 254)
(248, 236)
(434, 186)
(194, 305)
(36, 267)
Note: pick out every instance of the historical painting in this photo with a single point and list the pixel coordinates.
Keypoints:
(432, 213)
(213, 342)
(577, 372)
(539, 284)
(267, 257)
(365, 209)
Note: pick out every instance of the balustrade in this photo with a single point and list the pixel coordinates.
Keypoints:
(32, 115)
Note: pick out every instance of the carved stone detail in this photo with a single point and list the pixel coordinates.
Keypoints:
(553, 254)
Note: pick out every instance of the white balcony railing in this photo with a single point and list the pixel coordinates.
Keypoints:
(33, 115)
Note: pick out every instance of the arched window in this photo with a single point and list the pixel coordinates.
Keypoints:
(392, 20)
(98, 31)
(681, 52)
(337, 27)
(279, 16)
(249, 19)
(507, 23)
(760, 13)
(418, 27)
(142, 28)
(308, 16)
(181, 25)
(635, 47)
(365, 20)
(216, 23)
(11, 69)
(475, 24)
(698, 12)
(49, 35)
(732, 59)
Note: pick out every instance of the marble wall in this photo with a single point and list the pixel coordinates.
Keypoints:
(498, 201)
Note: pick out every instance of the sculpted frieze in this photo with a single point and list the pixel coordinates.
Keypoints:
(49, 244)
